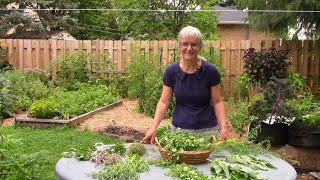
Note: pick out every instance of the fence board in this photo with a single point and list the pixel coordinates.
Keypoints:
(24, 54)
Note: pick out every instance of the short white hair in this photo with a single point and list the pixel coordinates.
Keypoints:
(190, 31)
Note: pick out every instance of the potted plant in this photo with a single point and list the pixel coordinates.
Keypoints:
(305, 131)
(272, 114)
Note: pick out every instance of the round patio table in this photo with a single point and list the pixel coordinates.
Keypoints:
(72, 169)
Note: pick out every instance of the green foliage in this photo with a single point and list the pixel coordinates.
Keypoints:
(44, 108)
(185, 172)
(95, 24)
(311, 118)
(161, 25)
(239, 115)
(49, 20)
(241, 86)
(279, 23)
(118, 148)
(137, 148)
(24, 141)
(6, 107)
(14, 166)
(244, 147)
(209, 54)
(28, 86)
(72, 103)
(71, 68)
(181, 140)
(261, 66)
(251, 161)
(144, 80)
(221, 169)
(297, 80)
(124, 170)
(274, 105)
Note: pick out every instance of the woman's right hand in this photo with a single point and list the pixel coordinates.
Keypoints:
(150, 135)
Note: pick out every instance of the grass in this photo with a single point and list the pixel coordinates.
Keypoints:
(55, 140)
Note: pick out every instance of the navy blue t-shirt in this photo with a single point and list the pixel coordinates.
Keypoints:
(193, 109)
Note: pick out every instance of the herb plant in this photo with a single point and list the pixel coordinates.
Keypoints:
(186, 172)
(128, 169)
(137, 148)
(222, 169)
(274, 106)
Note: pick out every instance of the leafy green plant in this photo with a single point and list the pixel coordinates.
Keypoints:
(137, 148)
(274, 106)
(241, 86)
(251, 161)
(144, 80)
(28, 87)
(118, 148)
(221, 169)
(239, 115)
(6, 106)
(25, 140)
(209, 53)
(4, 64)
(71, 68)
(128, 169)
(244, 147)
(262, 65)
(185, 172)
(180, 140)
(311, 118)
(44, 108)
(68, 104)
(37, 74)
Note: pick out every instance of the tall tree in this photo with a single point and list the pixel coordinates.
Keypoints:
(37, 21)
(166, 23)
(95, 24)
(280, 22)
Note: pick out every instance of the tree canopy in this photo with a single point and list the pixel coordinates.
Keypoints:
(280, 22)
(158, 22)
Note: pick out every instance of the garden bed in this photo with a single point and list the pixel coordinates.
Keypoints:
(74, 121)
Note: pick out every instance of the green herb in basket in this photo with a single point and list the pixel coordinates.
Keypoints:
(180, 140)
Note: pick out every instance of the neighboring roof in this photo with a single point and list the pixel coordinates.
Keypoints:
(231, 17)
(44, 35)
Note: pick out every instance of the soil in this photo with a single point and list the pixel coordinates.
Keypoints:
(125, 122)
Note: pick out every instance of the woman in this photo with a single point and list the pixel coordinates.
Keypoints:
(195, 83)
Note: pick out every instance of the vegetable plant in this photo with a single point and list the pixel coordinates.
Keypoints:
(262, 65)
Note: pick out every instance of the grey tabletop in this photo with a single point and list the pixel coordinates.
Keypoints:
(72, 169)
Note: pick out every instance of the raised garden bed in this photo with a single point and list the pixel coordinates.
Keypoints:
(74, 121)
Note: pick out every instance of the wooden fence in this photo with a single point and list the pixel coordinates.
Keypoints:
(24, 53)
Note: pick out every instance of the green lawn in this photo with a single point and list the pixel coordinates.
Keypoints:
(54, 140)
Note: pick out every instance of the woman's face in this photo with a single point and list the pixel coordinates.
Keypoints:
(189, 47)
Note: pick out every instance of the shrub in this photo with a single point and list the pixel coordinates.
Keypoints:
(261, 66)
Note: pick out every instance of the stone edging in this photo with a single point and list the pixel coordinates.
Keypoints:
(74, 121)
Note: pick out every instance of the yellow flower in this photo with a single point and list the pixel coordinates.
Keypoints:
(218, 143)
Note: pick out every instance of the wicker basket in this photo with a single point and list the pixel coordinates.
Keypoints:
(189, 157)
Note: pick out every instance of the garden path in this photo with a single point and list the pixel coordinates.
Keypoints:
(125, 121)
